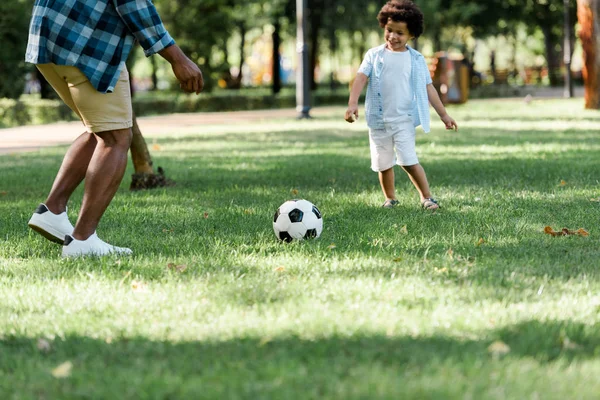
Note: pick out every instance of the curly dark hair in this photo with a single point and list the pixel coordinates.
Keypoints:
(402, 11)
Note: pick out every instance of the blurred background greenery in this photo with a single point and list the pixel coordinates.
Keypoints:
(249, 48)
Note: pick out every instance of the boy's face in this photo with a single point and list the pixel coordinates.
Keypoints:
(396, 35)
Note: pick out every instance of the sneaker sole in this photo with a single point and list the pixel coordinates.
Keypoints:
(48, 235)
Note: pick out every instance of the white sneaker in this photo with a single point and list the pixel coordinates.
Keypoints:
(92, 246)
(52, 226)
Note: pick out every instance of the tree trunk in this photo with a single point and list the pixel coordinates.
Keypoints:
(550, 40)
(237, 81)
(144, 176)
(588, 14)
(276, 70)
(314, 48)
(154, 76)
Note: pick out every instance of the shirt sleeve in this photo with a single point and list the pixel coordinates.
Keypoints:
(428, 79)
(143, 21)
(366, 67)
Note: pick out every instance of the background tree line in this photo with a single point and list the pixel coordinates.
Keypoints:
(203, 28)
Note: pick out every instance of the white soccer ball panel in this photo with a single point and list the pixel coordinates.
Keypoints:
(282, 224)
(288, 206)
(310, 220)
(304, 205)
(318, 226)
(297, 230)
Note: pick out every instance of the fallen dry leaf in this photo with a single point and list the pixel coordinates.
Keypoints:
(404, 230)
(279, 269)
(3, 193)
(294, 191)
(43, 345)
(569, 345)
(480, 242)
(156, 147)
(498, 348)
(562, 183)
(138, 286)
(179, 268)
(331, 246)
(63, 370)
(205, 215)
(397, 259)
(565, 232)
(450, 254)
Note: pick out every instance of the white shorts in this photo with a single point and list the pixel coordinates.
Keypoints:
(395, 144)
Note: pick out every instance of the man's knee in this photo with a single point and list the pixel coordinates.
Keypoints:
(119, 137)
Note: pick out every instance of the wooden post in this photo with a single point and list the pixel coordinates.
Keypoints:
(588, 14)
(144, 176)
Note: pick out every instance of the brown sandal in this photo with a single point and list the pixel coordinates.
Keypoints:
(430, 204)
(390, 203)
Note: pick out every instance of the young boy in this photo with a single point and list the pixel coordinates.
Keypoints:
(398, 96)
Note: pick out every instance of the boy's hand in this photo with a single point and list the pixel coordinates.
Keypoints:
(351, 114)
(449, 122)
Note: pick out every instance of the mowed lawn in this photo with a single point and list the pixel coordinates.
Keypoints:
(472, 302)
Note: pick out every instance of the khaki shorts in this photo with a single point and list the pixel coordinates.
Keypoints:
(99, 112)
(395, 144)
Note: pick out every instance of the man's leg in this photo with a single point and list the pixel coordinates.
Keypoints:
(102, 179)
(71, 172)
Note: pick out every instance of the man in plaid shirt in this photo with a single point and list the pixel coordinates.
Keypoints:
(80, 46)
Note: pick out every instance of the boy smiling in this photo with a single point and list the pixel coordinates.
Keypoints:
(398, 96)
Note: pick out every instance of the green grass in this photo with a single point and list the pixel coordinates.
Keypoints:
(369, 310)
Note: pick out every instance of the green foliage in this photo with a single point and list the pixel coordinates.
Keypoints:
(201, 28)
(14, 20)
(387, 304)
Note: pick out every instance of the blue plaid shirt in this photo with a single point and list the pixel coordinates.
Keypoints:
(95, 36)
(372, 66)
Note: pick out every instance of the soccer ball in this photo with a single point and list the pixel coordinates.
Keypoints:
(297, 219)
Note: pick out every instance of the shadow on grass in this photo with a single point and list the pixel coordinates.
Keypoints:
(365, 365)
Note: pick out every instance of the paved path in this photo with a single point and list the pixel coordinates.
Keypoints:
(34, 137)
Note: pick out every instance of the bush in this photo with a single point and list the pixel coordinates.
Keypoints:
(14, 20)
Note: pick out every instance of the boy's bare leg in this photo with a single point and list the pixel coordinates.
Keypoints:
(71, 172)
(386, 180)
(416, 173)
(104, 175)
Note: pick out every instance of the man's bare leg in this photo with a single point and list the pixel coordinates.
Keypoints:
(102, 179)
(71, 172)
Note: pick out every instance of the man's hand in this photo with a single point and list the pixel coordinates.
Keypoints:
(351, 113)
(449, 122)
(189, 76)
(186, 71)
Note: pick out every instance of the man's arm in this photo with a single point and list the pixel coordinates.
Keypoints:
(143, 21)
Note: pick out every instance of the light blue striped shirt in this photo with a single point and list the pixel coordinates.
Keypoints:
(372, 66)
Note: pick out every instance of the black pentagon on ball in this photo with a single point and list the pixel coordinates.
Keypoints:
(277, 214)
(285, 237)
(310, 233)
(316, 211)
(296, 215)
